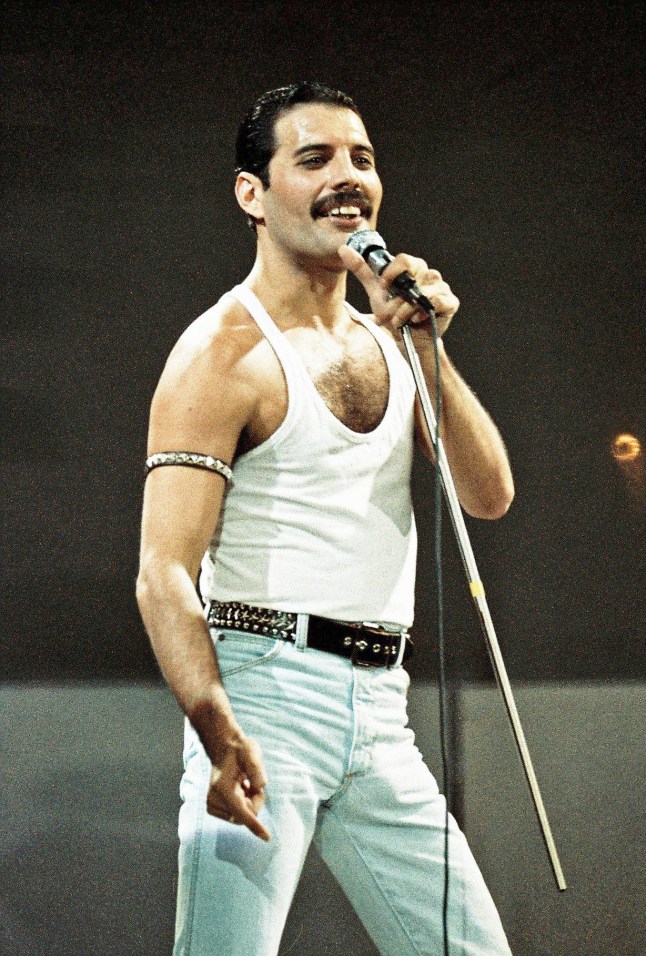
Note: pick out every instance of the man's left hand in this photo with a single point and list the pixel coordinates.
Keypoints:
(393, 310)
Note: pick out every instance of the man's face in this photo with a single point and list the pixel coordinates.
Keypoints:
(323, 181)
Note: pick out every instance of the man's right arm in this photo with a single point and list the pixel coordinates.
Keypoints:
(204, 400)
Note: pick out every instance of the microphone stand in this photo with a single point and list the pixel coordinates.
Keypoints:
(477, 592)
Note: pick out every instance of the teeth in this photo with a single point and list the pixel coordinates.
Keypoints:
(345, 211)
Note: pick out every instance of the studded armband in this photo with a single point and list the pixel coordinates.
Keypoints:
(190, 460)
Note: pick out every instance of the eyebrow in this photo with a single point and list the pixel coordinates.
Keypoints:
(312, 147)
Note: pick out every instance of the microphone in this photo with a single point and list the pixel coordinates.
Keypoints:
(372, 248)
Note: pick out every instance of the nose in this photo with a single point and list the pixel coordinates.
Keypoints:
(343, 172)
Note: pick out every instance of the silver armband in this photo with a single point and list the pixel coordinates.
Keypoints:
(190, 460)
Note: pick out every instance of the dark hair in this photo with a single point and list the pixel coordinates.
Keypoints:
(255, 143)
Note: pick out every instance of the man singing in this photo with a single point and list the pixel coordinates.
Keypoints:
(280, 448)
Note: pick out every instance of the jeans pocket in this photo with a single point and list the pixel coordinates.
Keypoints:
(238, 651)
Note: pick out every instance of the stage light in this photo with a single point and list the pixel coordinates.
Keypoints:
(626, 448)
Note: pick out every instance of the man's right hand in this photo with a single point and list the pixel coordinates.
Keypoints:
(238, 781)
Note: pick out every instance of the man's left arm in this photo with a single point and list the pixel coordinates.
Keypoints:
(474, 448)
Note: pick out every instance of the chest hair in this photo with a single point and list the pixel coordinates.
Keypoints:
(351, 377)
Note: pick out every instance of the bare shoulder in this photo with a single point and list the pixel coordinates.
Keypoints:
(207, 391)
(217, 341)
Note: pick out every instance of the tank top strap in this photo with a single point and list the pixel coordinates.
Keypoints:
(267, 326)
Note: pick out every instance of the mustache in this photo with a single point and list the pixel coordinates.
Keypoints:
(352, 197)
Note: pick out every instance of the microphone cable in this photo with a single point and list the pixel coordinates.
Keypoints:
(442, 681)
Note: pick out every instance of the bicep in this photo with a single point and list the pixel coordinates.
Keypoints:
(180, 513)
(201, 405)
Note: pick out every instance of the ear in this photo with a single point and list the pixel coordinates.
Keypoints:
(249, 193)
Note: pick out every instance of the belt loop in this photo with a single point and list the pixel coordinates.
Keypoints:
(402, 648)
(302, 624)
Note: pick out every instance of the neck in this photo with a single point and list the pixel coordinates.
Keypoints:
(298, 293)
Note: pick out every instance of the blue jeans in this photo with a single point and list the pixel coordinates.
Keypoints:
(343, 771)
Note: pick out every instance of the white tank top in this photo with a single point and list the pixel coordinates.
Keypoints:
(318, 518)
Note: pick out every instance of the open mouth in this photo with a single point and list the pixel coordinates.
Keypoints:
(344, 212)
(343, 207)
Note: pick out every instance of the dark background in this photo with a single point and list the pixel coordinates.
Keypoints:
(508, 139)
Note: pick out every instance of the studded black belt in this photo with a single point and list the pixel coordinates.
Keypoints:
(365, 644)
